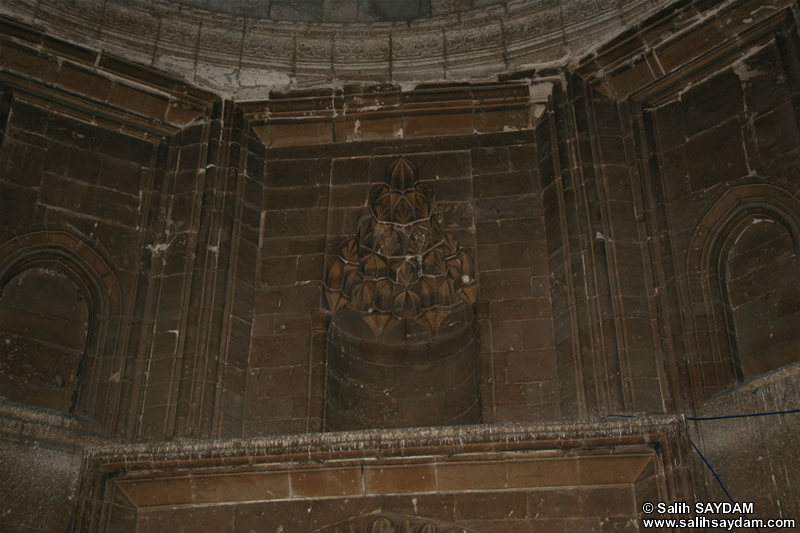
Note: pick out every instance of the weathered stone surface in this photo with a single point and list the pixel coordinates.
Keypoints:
(630, 216)
(397, 41)
(401, 293)
(427, 479)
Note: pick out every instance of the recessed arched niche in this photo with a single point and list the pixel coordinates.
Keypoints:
(59, 326)
(762, 288)
(402, 343)
(44, 322)
(744, 288)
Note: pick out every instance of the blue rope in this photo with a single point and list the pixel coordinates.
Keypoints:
(723, 416)
(701, 455)
(739, 416)
(728, 494)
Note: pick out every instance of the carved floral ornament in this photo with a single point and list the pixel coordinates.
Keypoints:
(401, 263)
(383, 524)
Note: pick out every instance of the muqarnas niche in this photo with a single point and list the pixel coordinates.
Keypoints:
(402, 344)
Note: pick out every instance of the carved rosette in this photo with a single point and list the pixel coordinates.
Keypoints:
(401, 264)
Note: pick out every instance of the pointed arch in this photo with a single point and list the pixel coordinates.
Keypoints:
(714, 361)
(70, 257)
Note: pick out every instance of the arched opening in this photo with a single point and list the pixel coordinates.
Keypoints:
(44, 324)
(60, 310)
(762, 289)
(743, 288)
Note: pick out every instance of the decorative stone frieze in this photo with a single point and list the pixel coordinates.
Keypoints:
(306, 46)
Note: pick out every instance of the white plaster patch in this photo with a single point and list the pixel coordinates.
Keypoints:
(158, 248)
(540, 92)
(222, 79)
(249, 77)
(175, 65)
(745, 72)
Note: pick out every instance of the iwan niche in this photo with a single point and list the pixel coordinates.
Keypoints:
(402, 346)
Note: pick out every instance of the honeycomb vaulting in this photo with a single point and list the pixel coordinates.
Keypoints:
(402, 347)
(401, 264)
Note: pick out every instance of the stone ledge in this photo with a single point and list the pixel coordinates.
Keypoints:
(24, 422)
(95, 86)
(372, 113)
(404, 442)
(615, 464)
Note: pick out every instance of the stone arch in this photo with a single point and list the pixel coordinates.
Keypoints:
(714, 360)
(760, 282)
(70, 258)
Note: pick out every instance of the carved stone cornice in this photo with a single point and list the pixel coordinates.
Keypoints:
(121, 481)
(387, 112)
(246, 57)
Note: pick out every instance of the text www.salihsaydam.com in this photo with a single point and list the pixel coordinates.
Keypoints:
(718, 523)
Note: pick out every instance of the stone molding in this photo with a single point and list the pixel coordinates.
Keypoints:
(93, 274)
(386, 112)
(649, 455)
(95, 87)
(244, 58)
(661, 431)
(654, 65)
(25, 422)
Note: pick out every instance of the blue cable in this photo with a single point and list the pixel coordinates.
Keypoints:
(721, 418)
(728, 494)
(739, 416)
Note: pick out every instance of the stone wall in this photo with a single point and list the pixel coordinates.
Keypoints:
(631, 217)
(715, 142)
(488, 192)
(750, 177)
(752, 455)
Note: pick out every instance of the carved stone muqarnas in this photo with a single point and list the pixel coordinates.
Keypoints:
(401, 264)
(402, 345)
